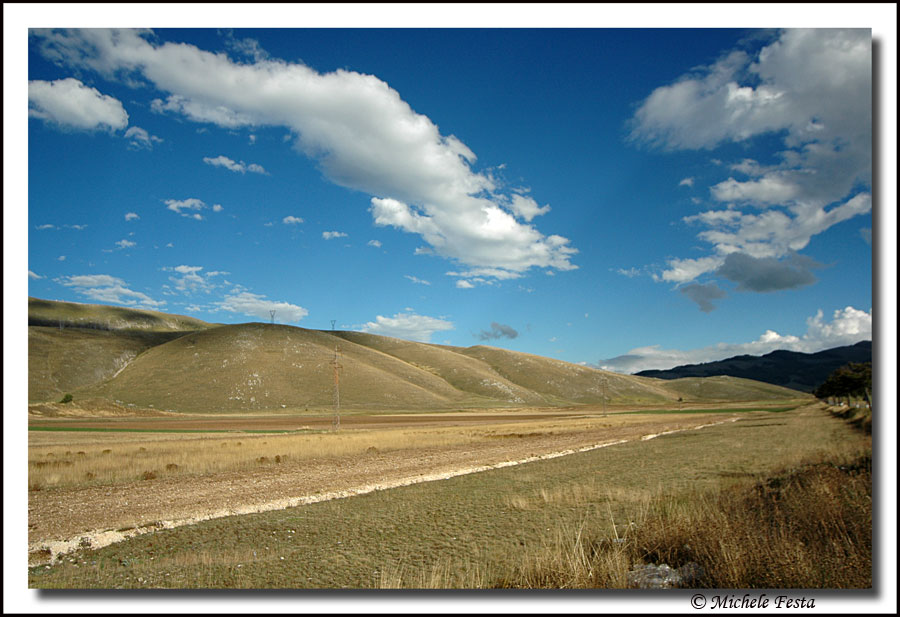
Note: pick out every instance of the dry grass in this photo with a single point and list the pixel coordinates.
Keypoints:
(807, 527)
(81, 459)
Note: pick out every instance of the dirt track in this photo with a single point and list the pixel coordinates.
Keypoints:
(59, 517)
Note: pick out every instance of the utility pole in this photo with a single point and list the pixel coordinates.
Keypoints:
(603, 396)
(336, 392)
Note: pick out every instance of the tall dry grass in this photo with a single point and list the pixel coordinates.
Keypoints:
(806, 527)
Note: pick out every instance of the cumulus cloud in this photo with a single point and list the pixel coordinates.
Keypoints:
(125, 244)
(331, 235)
(68, 103)
(407, 325)
(497, 331)
(363, 135)
(141, 139)
(374, 243)
(703, 295)
(811, 89)
(292, 220)
(108, 289)
(847, 326)
(257, 305)
(131, 216)
(238, 167)
(34, 276)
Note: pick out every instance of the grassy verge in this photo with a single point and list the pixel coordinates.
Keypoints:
(551, 523)
(807, 527)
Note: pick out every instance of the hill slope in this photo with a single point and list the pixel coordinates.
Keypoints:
(72, 345)
(790, 369)
(269, 367)
(53, 313)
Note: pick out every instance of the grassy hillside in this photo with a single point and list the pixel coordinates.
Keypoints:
(250, 367)
(102, 317)
(169, 362)
(63, 361)
(563, 382)
(73, 346)
(453, 365)
(725, 388)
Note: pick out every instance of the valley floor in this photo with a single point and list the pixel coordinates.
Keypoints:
(65, 518)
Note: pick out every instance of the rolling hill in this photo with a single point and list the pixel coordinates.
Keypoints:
(169, 362)
(790, 369)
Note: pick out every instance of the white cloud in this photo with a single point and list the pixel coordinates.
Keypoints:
(630, 272)
(358, 129)
(417, 280)
(71, 104)
(238, 167)
(141, 139)
(464, 284)
(408, 325)
(526, 207)
(292, 220)
(330, 235)
(34, 276)
(847, 326)
(192, 203)
(190, 280)
(686, 182)
(811, 89)
(374, 243)
(109, 289)
(256, 305)
(45, 226)
(131, 216)
(125, 244)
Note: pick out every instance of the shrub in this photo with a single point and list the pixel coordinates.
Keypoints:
(66, 399)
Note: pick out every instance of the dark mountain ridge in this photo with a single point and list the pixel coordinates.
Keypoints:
(790, 369)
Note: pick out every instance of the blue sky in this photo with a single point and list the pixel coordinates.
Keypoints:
(624, 198)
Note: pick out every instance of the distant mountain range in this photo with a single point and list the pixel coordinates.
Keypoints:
(790, 369)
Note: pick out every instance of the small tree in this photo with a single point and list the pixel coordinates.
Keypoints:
(66, 399)
(854, 379)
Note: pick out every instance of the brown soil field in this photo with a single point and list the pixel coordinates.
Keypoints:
(296, 423)
(61, 518)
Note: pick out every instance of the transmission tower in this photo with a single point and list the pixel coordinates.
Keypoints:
(272, 313)
(336, 393)
(333, 321)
